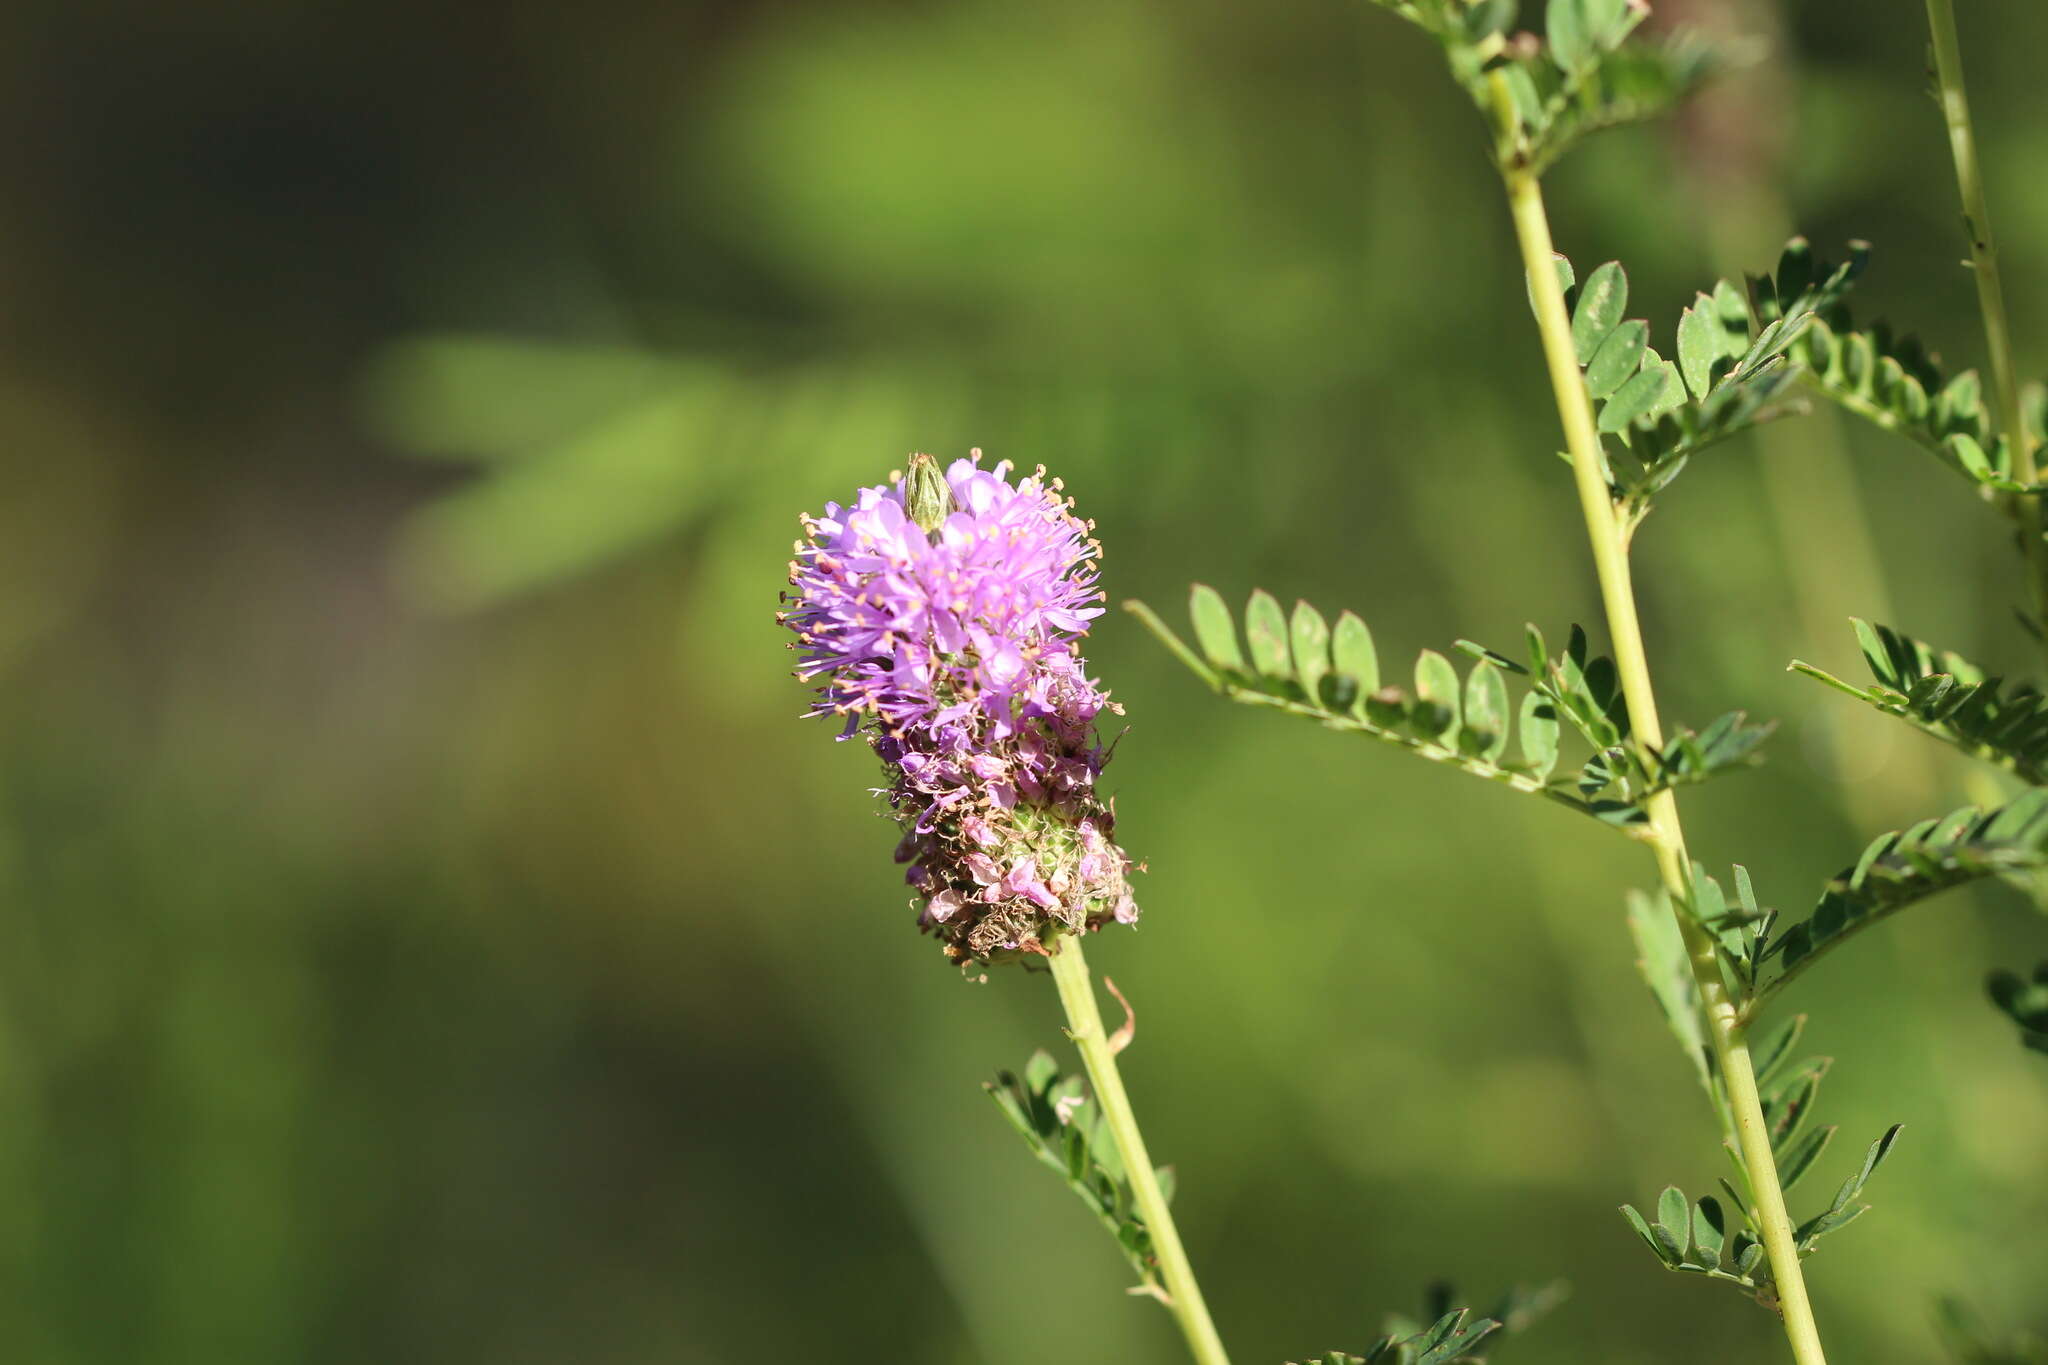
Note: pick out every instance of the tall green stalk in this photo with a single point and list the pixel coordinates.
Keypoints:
(1726, 1033)
(1084, 1026)
(1962, 141)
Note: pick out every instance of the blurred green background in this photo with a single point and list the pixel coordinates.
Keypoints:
(430, 934)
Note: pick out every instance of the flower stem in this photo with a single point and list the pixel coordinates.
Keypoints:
(1084, 1026)
(1610, 557)
(1962, 141)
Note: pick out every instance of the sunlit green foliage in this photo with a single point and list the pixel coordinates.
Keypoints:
(1736, 366)
(1694, 1236)
(1952, 699)
(1897, 870)
(1443, 1334)
(1451, 1338)
(1947, 696)
(1298, 663)
(1895, 383)
(1582, 76)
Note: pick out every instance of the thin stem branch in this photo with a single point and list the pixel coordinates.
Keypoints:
(1962, 141)
(1084, 1026)
(1617, 592)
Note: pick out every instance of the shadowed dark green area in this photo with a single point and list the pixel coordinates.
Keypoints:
(427, 932)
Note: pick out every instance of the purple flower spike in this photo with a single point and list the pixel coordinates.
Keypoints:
(941, 615)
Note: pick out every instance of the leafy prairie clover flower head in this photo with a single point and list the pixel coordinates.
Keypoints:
(941, 615)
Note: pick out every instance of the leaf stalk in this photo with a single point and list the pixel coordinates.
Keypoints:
(1092, 1040)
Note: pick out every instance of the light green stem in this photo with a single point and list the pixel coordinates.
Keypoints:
(1610, 557)
(1962, 141)
(1084, 1026)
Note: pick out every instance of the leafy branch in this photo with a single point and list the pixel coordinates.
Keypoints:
(1895, 383)
(1843, 1209)
(1065, 1131)
(1584, 75)
(1446, 1334)
(1304, 666)
(1735, 368)
(1952, 699)
(1694, 1236)
(1897, 870)
(2025, 1001)
(1740, 355)
(1661, 959)
(1450, 1339)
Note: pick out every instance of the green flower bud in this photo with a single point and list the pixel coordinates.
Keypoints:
(926, 494)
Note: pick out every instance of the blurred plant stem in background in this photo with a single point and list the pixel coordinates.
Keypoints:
(1729, 144)
(1588, 952)
(1951, 95)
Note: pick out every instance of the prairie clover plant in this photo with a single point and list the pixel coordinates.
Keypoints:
(941, 616)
